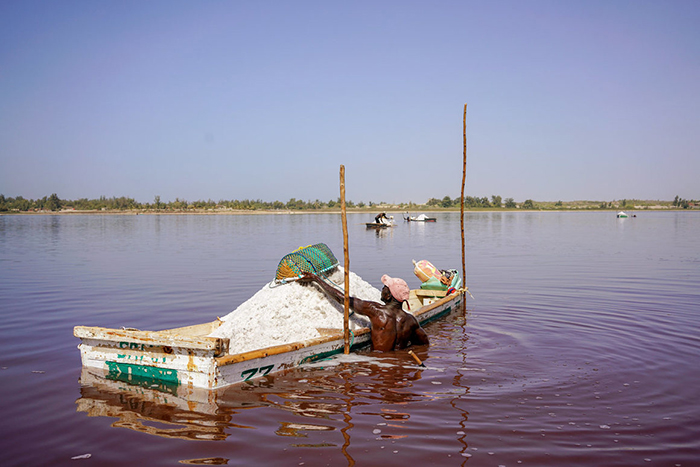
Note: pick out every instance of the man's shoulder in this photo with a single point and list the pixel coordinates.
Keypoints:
(408, 317)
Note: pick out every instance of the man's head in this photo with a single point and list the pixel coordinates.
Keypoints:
(397, 287)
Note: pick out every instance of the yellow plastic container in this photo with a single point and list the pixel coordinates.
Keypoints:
(424, 270)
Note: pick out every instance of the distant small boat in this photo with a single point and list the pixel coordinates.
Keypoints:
(622, 214)
(420, 218)
(381, 221)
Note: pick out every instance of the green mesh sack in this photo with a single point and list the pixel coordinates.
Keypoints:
(318, 259)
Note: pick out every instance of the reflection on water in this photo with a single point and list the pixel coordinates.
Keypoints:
(156, 409)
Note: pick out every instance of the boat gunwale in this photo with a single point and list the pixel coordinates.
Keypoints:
(167, 337)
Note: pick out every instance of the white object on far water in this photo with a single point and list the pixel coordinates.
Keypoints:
(84, 456)
(289, 313)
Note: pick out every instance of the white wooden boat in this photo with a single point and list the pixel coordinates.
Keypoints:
(187, 357)
(622, 214)
(420, 218)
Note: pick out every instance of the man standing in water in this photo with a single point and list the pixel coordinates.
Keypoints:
(392, 328)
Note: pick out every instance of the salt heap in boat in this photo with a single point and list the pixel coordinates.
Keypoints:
(290, 313)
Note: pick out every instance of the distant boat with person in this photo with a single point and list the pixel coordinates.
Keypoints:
(419, 218)
(381, 221)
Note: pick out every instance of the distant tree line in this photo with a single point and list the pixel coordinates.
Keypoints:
(495, 201)
(123, 203)
(50, 203)
(683, 203)
(54, 203)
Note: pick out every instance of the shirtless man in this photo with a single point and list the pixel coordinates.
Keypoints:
(392, 328)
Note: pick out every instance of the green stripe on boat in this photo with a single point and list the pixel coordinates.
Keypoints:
(139, 374)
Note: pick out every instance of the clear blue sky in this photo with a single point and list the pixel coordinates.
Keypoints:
(567, 100)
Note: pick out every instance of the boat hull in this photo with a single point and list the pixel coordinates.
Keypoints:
(187, 357)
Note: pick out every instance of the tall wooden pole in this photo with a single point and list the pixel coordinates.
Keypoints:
(461, 216)
(346, 304)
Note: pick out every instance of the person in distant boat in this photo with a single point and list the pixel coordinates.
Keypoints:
(392, 328)
(382, 219)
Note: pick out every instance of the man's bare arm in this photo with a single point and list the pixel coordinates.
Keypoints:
(421, 337)
(362, 307)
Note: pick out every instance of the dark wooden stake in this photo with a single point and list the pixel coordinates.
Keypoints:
(461, 217)
(346, 304)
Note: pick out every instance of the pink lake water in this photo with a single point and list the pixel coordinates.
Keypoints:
(581, 346)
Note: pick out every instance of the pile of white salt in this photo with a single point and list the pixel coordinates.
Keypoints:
(289, 313)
